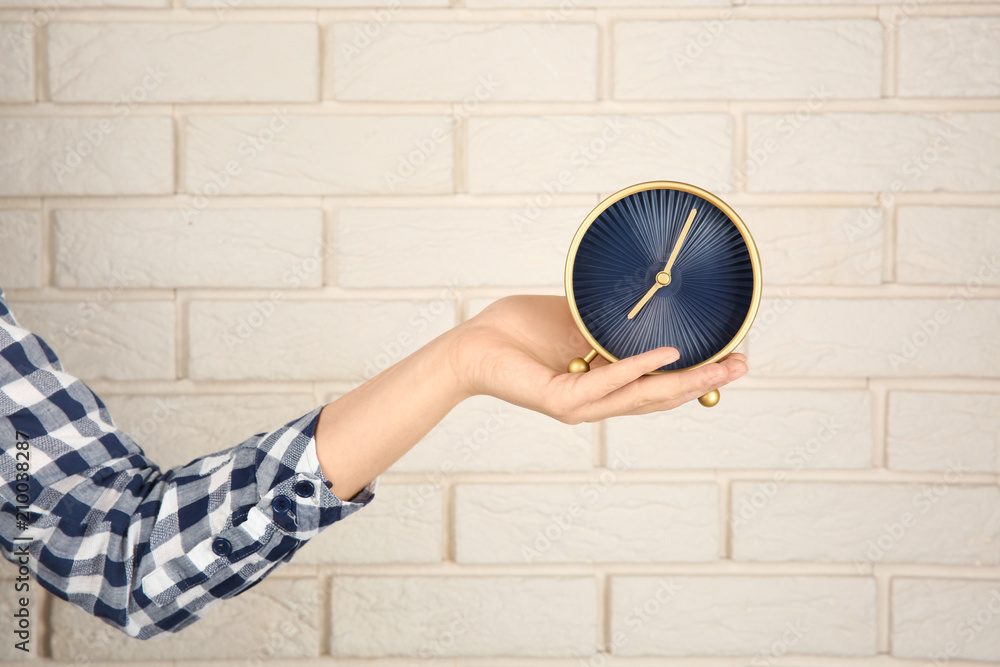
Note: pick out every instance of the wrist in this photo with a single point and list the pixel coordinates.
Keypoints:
(460, 360)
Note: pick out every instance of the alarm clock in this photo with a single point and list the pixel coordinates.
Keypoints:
(663, 263)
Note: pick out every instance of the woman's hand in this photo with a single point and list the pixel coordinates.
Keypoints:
(518, 348)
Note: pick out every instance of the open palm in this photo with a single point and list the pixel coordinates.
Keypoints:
(517, 349)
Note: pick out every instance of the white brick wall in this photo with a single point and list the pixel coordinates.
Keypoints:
(224, 213)
(17, 53)
(769, 616)
(463, 616)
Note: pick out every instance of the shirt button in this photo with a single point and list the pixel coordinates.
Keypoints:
(221, 546)
(304, 489)
(281, 504)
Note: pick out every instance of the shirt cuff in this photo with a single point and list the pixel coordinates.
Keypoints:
(293, 492)
(311, 462)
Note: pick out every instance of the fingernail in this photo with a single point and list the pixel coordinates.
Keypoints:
(671, 357)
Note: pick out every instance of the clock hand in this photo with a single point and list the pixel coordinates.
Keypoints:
(680, 240)
(663, 277)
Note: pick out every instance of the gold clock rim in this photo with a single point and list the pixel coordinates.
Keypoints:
(683, 187)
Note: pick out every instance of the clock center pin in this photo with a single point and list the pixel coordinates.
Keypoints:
(663, 278)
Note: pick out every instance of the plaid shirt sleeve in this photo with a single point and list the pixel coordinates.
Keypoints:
(100, 525)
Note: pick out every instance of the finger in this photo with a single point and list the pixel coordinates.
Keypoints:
(601, 381)
(724, 372)
(663, 392)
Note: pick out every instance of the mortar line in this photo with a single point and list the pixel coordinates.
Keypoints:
(880, 423)
(739, 117)
(41, 54)
(883, 584)
(180, 329)
(889, 216)
(460, 147)
(605, 55)
(890, 54)
(48, 249)
(603, 628)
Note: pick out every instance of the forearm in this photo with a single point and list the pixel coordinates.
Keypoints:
(362, 433)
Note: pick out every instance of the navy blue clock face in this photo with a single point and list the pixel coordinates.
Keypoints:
(628, 301)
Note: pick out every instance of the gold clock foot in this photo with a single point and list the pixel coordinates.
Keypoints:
(582, 364)
(710, 399)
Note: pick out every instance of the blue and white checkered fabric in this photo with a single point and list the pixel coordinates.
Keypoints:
(147, 551)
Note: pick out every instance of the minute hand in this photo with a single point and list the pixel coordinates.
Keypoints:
(663, 277)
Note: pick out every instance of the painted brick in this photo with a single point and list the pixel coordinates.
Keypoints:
(17, 53)
(876, 337)
(818, 429)
(382, 11)
(47, 4)
(546, 155)
(927, 430)
(183, 62)
(277, 338)
(817, 245)
(887, 152)
(949, 57)
(951, 245)
(567, 10)
(597, 521)
(946, 619)
(106, 338)
(495, 246)
(485, 434)
(726, 58)
(463, 616)
(781, 521)
(402, 525)
(468, 62)
(277, 618)
(188, 248)
(176, 429)
(93, 155)
(763, 616)
(285, 153)
(20, 249)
